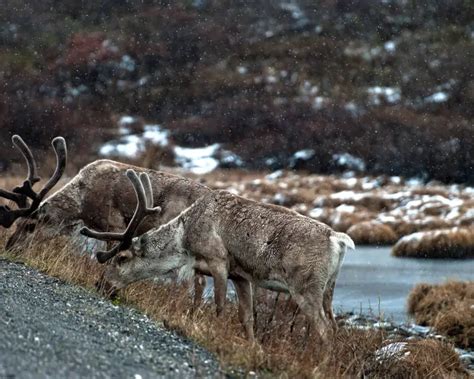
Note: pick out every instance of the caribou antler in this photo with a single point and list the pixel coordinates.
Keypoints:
(143, 192)
(9, 216)
(19, 194)
(146, 183)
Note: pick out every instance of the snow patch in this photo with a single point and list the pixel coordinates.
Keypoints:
(127, 120)
(156, 135)
(301, 155)
(351, 182)
(127, 63)
(316, 212)
(349, 161)
(390, 46)
(132, 145)
(128, 146)
(197, 160)
(242, 70)
(391, 95)
(437, 97)
(274, 175)
(396, 350)
(344, 208)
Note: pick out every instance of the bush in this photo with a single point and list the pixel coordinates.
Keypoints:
(441, 243)
(446, 307)
(372, 233)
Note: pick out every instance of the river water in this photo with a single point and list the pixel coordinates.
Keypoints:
(371, 280)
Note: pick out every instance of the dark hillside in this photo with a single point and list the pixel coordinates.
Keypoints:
(388, 82)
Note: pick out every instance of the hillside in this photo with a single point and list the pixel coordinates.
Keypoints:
(387, 83)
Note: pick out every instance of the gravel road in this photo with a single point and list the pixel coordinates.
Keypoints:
(50, 329)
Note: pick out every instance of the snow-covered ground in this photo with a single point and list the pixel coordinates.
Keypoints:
(197, 160)
(132, 144)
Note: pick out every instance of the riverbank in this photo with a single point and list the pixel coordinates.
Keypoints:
(284, 344)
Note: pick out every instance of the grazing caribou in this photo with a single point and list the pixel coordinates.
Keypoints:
(99, 196)
(227, 236)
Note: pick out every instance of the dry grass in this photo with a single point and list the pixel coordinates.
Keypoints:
(418, 359)
(442, 243)
(372, 233)
(449, 308)
(285, 349)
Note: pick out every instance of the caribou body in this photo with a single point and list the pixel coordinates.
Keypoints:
(227, 236)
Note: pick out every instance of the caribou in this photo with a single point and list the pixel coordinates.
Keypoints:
(227, 236)
(98, 196)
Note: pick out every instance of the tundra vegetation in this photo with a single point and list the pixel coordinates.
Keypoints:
(387, 82)
(440, 243)
(448, 307)
(283, 346)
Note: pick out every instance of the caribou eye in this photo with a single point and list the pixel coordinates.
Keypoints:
(121, 258)
(30, 228)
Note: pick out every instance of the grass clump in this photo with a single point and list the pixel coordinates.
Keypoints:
(442, 243)
(372, 233)
(448, 307)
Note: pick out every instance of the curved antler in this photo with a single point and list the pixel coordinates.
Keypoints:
(146, 183)
(9, 216)
(28, 155)
(60, 148)
(19, 194)
(142, 210)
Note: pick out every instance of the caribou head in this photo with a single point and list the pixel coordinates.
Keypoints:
(27, 200)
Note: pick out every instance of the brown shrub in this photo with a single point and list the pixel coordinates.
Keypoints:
(422, 223)
(447, 307)
(403, 228)
(441, 243)
(85, 48)
(372, 233)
